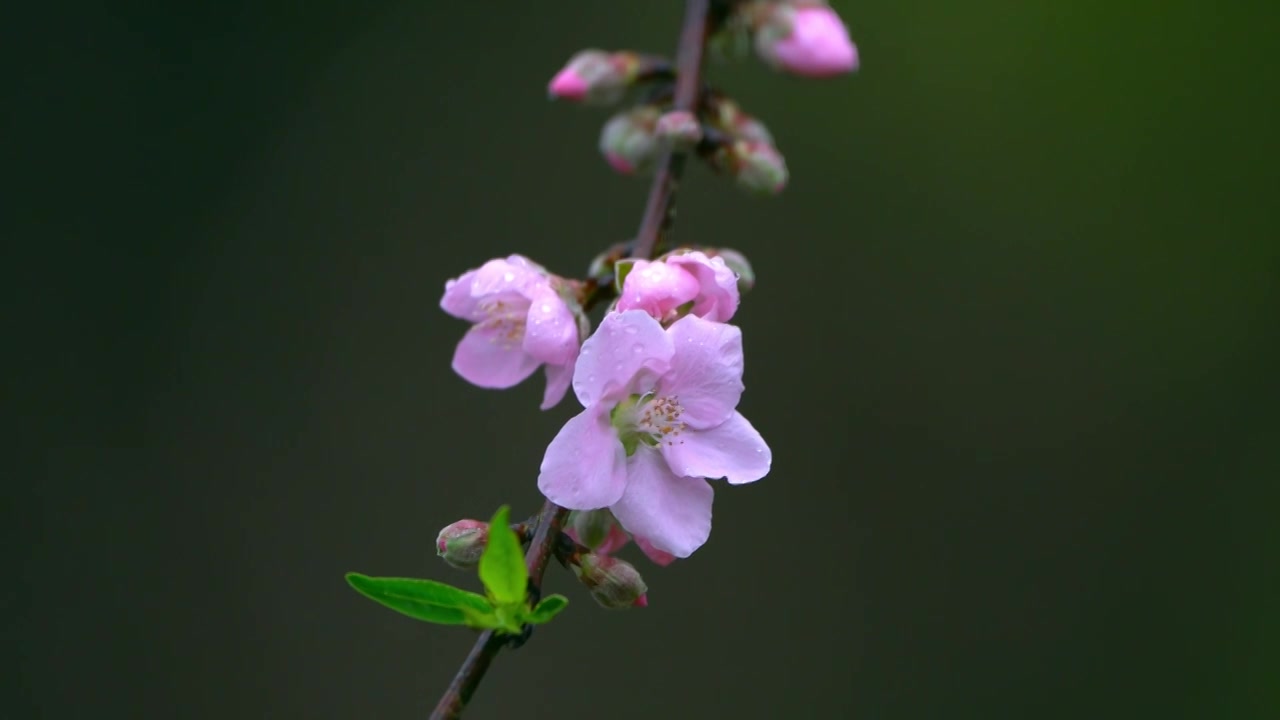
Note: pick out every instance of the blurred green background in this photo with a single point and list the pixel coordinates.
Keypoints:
(1013, 345)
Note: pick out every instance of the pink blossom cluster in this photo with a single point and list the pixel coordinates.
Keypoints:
(659, 382)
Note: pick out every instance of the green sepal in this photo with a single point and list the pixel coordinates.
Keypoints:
(502, 568)
(425, 600)
(550, 606)
(621, 270)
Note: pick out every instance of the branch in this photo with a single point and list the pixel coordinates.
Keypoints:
(660, 210)
(658, 216)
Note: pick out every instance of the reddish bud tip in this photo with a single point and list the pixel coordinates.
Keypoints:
(642, 601)
(568, 85)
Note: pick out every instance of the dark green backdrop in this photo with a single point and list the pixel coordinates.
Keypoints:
(1013, 345)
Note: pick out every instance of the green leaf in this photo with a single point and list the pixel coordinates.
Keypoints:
(502, 567)
(547, 609)
(621, 270)
(425, 600)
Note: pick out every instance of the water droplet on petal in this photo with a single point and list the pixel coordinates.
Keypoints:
(637, 348)
(759, 450)
(508, 276)
(631, 330)
(546, 308)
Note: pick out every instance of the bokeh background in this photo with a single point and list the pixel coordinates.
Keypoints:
(1013, 345)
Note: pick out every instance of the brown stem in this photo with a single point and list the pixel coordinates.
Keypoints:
(658, 215)
(550, 521)
(660, 210)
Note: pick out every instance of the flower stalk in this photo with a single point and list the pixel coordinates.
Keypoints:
(659, 213)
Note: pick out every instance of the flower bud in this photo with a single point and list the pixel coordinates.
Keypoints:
(595, 77)
(462, 543)
(757, 166)
(628, 140)
(805, 38)
(680, 127)
(613, 583)
(728, 116)
(591, 527)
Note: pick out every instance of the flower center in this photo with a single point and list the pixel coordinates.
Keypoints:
(650, 419)
(506, 321)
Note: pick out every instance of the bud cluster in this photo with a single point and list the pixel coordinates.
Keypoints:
(803, 37)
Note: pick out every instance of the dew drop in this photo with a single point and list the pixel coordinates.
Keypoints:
(508, 276)
(546, 308)
(637, 348)
(759, 450)
(631, 330)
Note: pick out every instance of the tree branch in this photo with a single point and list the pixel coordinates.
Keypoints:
(658, 215)
(660, 210)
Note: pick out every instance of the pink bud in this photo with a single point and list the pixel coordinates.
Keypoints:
(680, 127)
(595, 77)
(462, 543)
(628, 141)
(613, 583)
(657, 288)
(807, 40)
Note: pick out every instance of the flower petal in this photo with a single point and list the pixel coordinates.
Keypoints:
(584, 467)
(506, 275)
(659, 557)
(718, 285)
(551, 331)
(706, 370)
(623, 345)
(672, 513)
(458, 300)
(657, 288)
(558, 379)
(733, 450)
(487, 357)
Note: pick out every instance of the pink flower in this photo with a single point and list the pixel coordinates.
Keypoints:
(660, 418)
(810, 41)
(661, 288)
(521, 321)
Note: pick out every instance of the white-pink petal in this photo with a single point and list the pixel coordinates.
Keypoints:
(585, 466)
(671, 513)
(733, 450)
(623, 345)
(705, 373)
(558, 379)
(718, 297)
(488, 357)
(551, 331)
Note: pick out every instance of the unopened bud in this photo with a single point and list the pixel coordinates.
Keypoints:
(757, 166)
(728, 116)
(591, 527)
(804, 38)
(628, 140)
(595, 77)
(680, 127)
(462, 543)
(613, 583)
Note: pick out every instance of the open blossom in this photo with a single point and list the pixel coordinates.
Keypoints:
(660, 418)
(662, 287)
(521, 321)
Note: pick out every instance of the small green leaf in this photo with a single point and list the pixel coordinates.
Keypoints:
(547, 609)
(502, 567)
(621, 270)
(426, 600)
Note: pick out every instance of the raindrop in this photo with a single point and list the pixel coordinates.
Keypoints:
(546, 308)
(637, 348)
(631, 330)
(509, 276)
